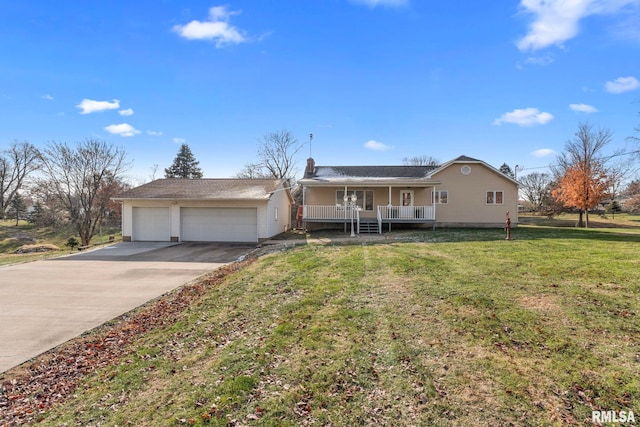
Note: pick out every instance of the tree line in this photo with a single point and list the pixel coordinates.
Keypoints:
(583, 178)
(74, 183)
(68, 183)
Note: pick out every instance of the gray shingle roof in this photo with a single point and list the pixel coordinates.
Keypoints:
(464, 158)
(372, 172)
(204, 189)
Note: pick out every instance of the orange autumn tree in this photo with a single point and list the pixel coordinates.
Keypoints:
(581, 173)
(582, 188)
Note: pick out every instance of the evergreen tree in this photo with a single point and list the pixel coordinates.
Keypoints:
(184, 165)
(36, 216)
(614, 208)
(505, 169)
(17, 207)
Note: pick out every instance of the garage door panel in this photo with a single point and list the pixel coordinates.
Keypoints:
(151, 224)
(219, 224)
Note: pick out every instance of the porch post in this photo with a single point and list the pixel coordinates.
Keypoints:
(344, 209)
(433, 201)
(389, 209)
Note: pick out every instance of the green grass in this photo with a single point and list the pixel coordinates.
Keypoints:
(12, 237)
(451, 327)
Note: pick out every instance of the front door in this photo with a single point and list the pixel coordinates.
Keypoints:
(406, 203)
(406, 198)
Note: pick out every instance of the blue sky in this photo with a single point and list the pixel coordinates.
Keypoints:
(374, 80)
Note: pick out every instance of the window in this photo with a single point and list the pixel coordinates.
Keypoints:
(275, 213)
(440, 197)
(494, 197)
(364, 202)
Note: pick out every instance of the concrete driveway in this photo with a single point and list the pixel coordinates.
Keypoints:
(45, 303)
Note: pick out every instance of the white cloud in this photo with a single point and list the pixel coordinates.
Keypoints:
(376, 146)
(543, 152)
(374, 3)
(47, 97)
(89, 106)
(524, 117)
(179, 140)
(154, 133)
(122, 129)
(557, 21)
(539, 60)
(127, 112)
(216, 28)
(622, 84)
(583, 108)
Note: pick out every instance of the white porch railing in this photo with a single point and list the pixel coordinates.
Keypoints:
(326, 212)
(384, 213)
(406, 213)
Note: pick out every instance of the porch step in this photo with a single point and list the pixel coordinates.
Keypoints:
(368, 227)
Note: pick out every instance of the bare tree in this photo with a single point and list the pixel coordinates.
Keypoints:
(154, 170)
(252, 171)
(83, 179)
(632, 192)
(617, 175)
(636, 137)
(420, 161)
(535, 188)
(16, 165)
(277, 151)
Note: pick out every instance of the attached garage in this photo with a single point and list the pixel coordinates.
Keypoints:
(151, 224)
(206, 210)
(219, 224)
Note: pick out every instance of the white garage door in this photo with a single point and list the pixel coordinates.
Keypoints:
(151, 225)
(219, 224)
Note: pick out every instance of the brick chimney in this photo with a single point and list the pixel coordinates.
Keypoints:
(311, 167)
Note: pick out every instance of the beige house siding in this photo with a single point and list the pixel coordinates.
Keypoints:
(467, 204)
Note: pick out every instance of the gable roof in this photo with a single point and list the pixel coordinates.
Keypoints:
(464, 158)
(369, 175)
(204, 189)
(467, 159)
(383, 175)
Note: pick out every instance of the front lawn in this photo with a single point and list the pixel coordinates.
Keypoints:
(450, 327)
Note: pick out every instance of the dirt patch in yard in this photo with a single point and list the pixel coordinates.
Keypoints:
(27, 249)
(540, 303)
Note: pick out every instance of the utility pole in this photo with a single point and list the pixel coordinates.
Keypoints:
(515, 171)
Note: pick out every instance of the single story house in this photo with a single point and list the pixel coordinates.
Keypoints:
(463, 192)
(211, 210)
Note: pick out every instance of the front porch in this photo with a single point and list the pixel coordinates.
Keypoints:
(366, 222)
